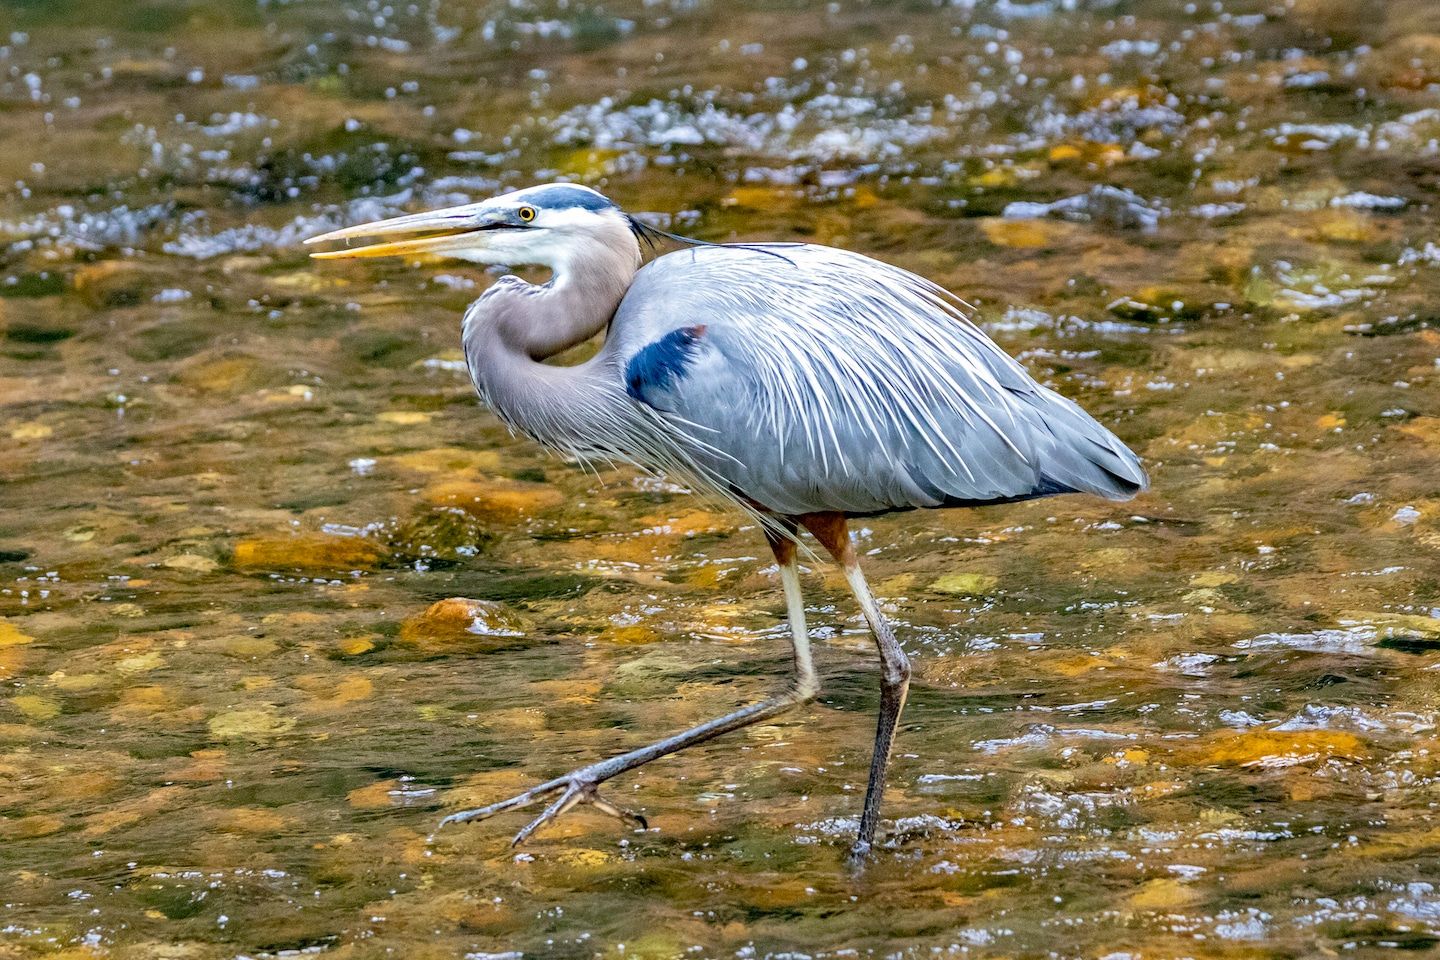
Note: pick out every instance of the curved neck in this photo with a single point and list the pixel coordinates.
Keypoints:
(516, 325)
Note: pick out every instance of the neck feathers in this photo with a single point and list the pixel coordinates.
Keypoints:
(515, 326)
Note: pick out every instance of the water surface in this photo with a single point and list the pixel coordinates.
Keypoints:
(1201, 724)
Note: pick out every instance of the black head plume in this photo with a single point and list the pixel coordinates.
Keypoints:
(651, 235)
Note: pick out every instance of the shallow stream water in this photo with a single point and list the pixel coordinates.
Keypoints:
(235, 481)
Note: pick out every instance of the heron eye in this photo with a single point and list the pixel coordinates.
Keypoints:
(527, 214)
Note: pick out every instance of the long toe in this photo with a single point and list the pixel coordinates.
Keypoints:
(530, 796)
(580, 791)
(629, 817)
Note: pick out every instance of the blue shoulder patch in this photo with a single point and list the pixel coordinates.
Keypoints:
(662, 363)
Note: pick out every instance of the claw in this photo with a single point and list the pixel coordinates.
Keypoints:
(575, 789)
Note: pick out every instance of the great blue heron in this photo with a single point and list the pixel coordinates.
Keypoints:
(802, 383)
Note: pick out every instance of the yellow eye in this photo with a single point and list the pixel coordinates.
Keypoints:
(527, 214)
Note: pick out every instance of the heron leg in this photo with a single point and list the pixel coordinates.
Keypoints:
(579, 786)
(831, 530)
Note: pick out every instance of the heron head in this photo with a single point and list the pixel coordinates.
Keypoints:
(546, 226)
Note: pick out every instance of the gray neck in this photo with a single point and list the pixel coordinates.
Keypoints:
(515, 326)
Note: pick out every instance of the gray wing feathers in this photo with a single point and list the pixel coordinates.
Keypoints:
(824, 380)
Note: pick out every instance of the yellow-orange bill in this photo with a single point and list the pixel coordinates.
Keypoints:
(392, 248)
(443, 227)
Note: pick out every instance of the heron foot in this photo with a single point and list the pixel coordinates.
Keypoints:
(574, 789)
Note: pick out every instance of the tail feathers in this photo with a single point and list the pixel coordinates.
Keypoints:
(1084, 457)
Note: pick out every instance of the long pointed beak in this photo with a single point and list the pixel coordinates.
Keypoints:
(447, 229)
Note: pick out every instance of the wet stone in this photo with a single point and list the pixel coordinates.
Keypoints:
(966, 584)
(500, 501)
(308, 554)
(255, 724)
(460, 626)
(449, 533)
(111, 284)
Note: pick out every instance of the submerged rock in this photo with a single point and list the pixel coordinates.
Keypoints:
(1282, 748)
(965, 584)
(497, 500)
(310, 554)
(13, 636)
(257, 724)
(461, 625)
(445, 533)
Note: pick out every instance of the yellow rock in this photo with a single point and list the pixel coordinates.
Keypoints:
(1329, 421)
(25, 828)
(1346, 226)
(295, 393)
(30, 431)
(12, 636)
(688, 524)
(897, 586)
(374, 797)
(257, 724)
(865, 198)
(631, 635)
(405, 418)
(1213, 578)
(146, 700)
(355, 646)
(1277, 748)
(242, 646)
(965, 584)
(1019, 234)
(1164, 896)
(310, 554)
(141, 663)
(1306, 789)
(764, 198)
(191, 562)
(203, 766)
(584, 858)
(588, 163)
(76, 683)
(1109, 559)
(35, 707)
(90, 783)
(498, 500)
(225, 375)
(1426, 429)
(460, 625)
(352, 688)
(517, 719)
(12, 661)
(1078, 666)
(449, 460)
(251, 820)
(1160, 788)
(999, 176)
(1088, 152)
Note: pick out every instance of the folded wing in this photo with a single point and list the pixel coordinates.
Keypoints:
(810, 378)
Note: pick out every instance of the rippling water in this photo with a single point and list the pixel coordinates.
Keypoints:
(1200, 724)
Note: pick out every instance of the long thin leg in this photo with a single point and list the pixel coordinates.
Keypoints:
(578, 786)
(830, 529)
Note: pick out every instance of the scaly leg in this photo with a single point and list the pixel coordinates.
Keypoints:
(579, 786)
(831, 530)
